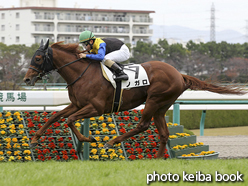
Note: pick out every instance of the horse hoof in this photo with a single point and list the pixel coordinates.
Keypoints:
(93, 139)
(107, 146)
(33, 145)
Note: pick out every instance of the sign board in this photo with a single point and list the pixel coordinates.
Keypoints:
(33, 98)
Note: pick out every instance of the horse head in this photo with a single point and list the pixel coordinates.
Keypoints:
(41, 64)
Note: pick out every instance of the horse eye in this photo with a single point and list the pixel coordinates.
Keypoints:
(37, 59)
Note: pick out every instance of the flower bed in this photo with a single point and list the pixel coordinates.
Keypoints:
(201, 155)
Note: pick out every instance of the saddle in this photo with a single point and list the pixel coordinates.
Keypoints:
(137, 78)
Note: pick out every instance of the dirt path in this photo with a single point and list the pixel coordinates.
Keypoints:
(227, 146)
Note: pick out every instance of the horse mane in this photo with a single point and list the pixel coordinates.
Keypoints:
(69, 48)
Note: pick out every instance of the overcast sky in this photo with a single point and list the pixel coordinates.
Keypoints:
(230, 14)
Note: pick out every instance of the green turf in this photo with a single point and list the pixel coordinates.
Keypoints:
(126, 173)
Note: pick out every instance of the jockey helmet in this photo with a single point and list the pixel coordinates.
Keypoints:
(86, 36)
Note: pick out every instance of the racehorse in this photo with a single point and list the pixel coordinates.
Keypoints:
(91, 95)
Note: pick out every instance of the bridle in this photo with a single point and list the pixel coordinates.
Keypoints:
(47, 66)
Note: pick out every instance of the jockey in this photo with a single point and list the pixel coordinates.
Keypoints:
(108, 50)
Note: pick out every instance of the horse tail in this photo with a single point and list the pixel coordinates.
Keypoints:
(196, 84)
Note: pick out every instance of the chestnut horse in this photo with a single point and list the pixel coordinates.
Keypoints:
(91, 95)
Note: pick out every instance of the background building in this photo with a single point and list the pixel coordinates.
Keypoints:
(40, 19)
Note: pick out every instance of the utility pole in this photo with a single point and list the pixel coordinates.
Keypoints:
(212, 24)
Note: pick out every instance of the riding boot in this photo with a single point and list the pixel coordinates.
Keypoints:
(120, 75)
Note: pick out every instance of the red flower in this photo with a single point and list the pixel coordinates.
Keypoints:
(26, 113)
(52, 145)
(69, 145)
(30, 124)
(49, 157)
(156, 130)
(130, 151)
(153, 124)
(149, 156)
(62, 119)
(57, 131)
(56, 124)
(72, 151)
(132, 157)
(58, 157)
(141, 137)
(135, 111)
(55, 152)
(116, 113)
(41, 157)
(44, 113)
(36, 112)
(166, 156)
(154, 151)
(61, 145)
(39, 151)
(141, 111)
(69, 138)
(133, 138)
(122, 130)
(60, 139)
(64, 152)
(147, 150)
(140, 156)
(54, 112)
(149, 131)
(145, 143)
(129, 124)
(122, 125)
(49, 131)
(45, 119)
(50, 139)
(29, 120)
(139, 150)
(154, 156)
(39, 125)
(65, 157)
(126, 113)
(128, 145)
(31, 132)
(119, 118)
(65, 125)
(136, 118)
(136, 144)
(154, 144)
(75, 157)
(126, 118)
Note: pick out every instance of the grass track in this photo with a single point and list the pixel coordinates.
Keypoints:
(115, 173)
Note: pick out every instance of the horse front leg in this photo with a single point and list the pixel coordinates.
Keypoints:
(63, 113)
(86, 112)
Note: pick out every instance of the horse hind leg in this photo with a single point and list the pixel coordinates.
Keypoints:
(160, 123)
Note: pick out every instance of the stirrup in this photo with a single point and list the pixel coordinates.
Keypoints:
(121, 77)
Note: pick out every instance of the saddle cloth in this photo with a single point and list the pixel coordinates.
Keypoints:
(136, 73)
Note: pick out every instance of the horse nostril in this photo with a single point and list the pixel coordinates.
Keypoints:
(27, 80)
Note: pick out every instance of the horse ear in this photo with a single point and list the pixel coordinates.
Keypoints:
(41, 43)
(46, 45)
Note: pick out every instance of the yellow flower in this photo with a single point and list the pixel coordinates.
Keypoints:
(77, 124)
(12, 126)
(8, 114)
(1, 114)
(8, 140)
(14, 140)
(97, 132)
(9, 119)
(113, 155)
(97, 138)
(122, 157)
(16, 145)
(105, 130)
(114, 137)
(90, 133)
(113, 132)
(93, 151)
(120, 151)
(2, 121)
(95, 125)
(19, 118)
(101, 118)
(25, 145)
(118, 144)
(11, 158)
(21, 126)
(8, 146)
(28, 158)
(112, 125)
(19, 157)
(105, 156)
(21, 132)
(1, 152)
(3, 126)
(109, 119)
(96, 157)
(100, 145)
(106, 138)
(28, 152)
(111, 150)
(17, 114)
(1, 158)
(104, 125)
(3, 132)
(103, 151)
(9, 153)
(92, 119)
(12, 131)
(17, 153)
(93, 144)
